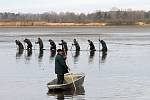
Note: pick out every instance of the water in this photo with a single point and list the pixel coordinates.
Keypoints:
(123, 74)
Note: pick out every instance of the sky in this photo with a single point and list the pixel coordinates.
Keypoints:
(77, 6)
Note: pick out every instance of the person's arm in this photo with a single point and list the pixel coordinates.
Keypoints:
(60, 44)
(37, 42)
(62, 61)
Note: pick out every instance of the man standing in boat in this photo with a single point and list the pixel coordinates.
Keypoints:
(61, 67)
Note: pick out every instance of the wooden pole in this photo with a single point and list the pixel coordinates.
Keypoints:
(71, 74)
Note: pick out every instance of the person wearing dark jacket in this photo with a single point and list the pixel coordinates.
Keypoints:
(64, 46)
(76, 44)
(53, 45)
(60, 66)
(92, 47)
(40, 42)
(20, 48)
(104, 46)
(19, 44)
(29, 44)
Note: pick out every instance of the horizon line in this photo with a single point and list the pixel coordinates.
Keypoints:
(76, 12)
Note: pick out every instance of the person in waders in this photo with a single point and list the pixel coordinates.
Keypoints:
(40, 42)
(104, 46)
(19, 44)
(29, 44)
(53, 45)
(64, 46)
(76, 44)
(92, 47)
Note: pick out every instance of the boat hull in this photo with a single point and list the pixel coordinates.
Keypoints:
(72, 81)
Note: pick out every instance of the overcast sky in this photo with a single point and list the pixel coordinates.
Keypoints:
(86, 6)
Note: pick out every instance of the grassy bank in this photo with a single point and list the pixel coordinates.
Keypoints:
(46, 24)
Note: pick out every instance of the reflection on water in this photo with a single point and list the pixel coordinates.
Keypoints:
(53, 53)
(75, 56)
(28, 55)
(40, 55)
(104, 55)
(19, 53)
(61, 95)
(91, 56)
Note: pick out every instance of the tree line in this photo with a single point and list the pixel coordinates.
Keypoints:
(112, 17)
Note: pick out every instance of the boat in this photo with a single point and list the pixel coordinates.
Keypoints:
(71, 81)
(79, 91)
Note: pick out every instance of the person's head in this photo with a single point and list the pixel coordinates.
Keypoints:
(74, 40)
(62, 40)
(101, 41)
(49, 40)
(60, 51)
(25, 40)
(89, 41)
(39, 38)
(16, 41)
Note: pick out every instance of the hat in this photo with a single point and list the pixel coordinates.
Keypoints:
(59, 50)
(101, 40)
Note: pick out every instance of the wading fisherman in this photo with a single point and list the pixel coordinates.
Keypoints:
(40, 42)
(60, 66)
(53, 45)
(20, 48)
(92, 47)
(76, 44)
(19, 44)
(29, 44)
(64, 46)
(104, 46)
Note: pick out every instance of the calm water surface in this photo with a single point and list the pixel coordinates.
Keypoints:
(122, 74)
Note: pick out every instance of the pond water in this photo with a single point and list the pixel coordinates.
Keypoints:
(122, 74)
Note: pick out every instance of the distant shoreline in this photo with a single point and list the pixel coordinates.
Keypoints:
(42, 24)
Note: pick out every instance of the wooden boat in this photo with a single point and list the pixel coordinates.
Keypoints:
(71, 81)
(79, 91)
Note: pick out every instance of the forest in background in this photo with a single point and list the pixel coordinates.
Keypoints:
(116, 17)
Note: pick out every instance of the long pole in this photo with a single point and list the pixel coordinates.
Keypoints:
(71, 74)
(71, 48)
(34, 46)
(99, 52)
(99, 43)
(87, 47)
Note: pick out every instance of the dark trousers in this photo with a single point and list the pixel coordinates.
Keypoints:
(60, 79)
